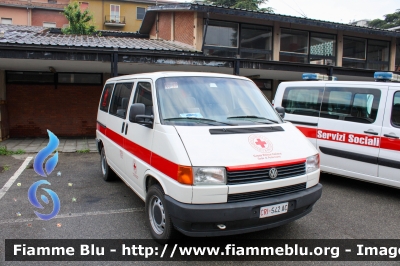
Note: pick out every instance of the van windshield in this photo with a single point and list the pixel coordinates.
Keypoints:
(215, 101)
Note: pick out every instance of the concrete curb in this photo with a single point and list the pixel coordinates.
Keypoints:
(34, 145)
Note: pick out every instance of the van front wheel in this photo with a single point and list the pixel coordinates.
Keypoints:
(159, 222)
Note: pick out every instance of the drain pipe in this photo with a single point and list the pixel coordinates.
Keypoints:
(157, 26)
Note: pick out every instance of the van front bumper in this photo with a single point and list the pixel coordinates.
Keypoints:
(239, 217)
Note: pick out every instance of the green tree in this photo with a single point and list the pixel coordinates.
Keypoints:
(390, 21)
(79, 22)
(243, 4)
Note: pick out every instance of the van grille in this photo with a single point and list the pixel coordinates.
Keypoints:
(262, 175)
(262, 194)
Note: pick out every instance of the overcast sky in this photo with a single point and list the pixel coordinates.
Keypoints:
(335, 10)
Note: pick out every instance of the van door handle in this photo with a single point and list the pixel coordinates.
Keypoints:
(391, 136)
(126, 128)
(371, 132)
(122, 129)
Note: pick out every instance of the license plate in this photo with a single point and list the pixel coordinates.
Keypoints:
(273, 210)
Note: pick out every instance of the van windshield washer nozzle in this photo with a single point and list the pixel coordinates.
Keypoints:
(221, 226)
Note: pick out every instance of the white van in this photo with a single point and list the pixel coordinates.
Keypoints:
(354, 125)
(207, 153)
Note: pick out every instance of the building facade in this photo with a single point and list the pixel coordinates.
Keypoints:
(276, 44)
(44, 13)
(118, 15)
(269, 37)
(53, 81)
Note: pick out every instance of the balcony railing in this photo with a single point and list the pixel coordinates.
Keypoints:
(117, 21)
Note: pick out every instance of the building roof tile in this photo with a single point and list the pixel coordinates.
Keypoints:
(28, 4)
(33, 35)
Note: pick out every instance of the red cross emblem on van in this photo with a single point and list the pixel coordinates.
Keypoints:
(260, 143)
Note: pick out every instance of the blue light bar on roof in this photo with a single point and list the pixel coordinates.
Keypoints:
(316, 76)
(386, 76)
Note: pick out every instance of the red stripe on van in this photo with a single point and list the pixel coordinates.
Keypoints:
(309, 132)
(165, 166)
(170, 168)
(384, 142)
(161, 164)
(137, 150)
(117, 138)
(390, 143)
(101, 128)
(264, 165)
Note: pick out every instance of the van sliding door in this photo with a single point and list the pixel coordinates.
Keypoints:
(349, 128)
(389, 154)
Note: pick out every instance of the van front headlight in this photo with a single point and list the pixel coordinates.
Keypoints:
(209, 176)
(312, 163)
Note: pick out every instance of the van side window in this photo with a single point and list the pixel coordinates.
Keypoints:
(143, 95)
(105, 98)
(302, 101)
(396, 110)
(351, 104)
(120, 99)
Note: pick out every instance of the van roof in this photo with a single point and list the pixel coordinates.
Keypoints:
(161, 74)
(323, 83)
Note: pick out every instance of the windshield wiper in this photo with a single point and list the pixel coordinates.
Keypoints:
(198, 118)
(252, 116)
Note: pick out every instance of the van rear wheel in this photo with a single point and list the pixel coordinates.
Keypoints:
(106, 171)
(158, 219)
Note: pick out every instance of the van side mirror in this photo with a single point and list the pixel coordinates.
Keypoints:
(137, 115)
(281, 111)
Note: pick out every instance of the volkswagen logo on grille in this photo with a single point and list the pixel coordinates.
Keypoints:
(273, 173)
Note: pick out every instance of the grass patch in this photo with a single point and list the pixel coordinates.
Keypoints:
(86, 150)
(19, 151)
(4, 151)
(6, 168)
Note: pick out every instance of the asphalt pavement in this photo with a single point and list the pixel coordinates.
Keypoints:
(94, 209)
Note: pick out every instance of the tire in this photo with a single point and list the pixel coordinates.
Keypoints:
(106, 171)
(158, 219)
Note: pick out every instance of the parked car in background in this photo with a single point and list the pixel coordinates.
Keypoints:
(354, 125)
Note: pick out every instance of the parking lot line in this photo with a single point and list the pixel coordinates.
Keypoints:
(69, 215)
(11, 181)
